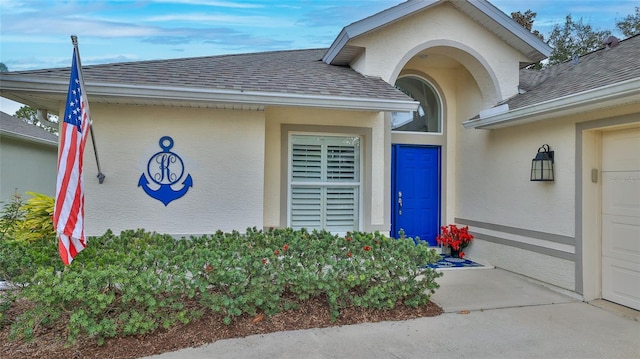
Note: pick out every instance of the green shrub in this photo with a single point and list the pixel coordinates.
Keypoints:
(37, 223)
(10, 216)
(140, 281)
(28, 239)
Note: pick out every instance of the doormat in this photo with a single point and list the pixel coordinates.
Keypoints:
(453, 262)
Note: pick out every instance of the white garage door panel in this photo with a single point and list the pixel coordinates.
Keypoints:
(621, 150)
(623, 238)
(622, 193)
(623, 284)
(621, 217)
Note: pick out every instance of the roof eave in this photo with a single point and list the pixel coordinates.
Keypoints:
(603, 97)
(527, 36)
(202, 95)
(28, 138)
(338, 44)
(382, 18)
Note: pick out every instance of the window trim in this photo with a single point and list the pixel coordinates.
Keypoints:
(360, 183)
(366, 147)
(440, 103)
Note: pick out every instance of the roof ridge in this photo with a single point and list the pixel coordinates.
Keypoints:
(604, 46)
(599, 68)
(560, 68)
(179, 59)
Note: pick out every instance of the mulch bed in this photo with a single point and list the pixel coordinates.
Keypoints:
(313, 313)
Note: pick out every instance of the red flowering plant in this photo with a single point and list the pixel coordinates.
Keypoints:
(457, 238)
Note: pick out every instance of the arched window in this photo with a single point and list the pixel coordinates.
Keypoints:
(428, 117)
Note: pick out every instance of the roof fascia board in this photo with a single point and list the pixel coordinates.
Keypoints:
(338, 44)
(602, 97)
(501, 18)
(212, 95)
(407, 8)
(373, 22)
(28, 138)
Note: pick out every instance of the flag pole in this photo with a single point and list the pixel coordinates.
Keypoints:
(101, 176)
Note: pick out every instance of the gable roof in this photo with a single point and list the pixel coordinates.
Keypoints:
(247, 81)
(603, 78)
(481, 11)
(11, 126)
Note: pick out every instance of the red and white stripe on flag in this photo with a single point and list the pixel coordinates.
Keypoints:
(68, 214)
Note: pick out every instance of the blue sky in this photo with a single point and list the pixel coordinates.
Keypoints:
(35, 34)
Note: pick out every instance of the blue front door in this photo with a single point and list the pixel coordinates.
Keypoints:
(415, 185)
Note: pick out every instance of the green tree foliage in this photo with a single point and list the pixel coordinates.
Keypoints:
(27, 113)
(526, 20)
(573, 38)
(630, 25)
(30, 116)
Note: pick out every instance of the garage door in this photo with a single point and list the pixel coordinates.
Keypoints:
(621, 217)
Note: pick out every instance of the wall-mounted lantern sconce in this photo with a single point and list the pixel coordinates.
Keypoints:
(542, 165)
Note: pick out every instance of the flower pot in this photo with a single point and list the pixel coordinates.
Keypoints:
(454, 252)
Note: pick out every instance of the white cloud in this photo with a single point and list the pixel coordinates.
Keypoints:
(228, 4)
(263, 21)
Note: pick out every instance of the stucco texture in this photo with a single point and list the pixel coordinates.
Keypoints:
(223, 151)
(493, 63)
(493, 178)
(552, 270)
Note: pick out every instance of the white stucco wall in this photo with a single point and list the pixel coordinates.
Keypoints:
(492, 62)
(493, 177)
(26, 166)
(331, 121)
(552, 270)
(223, 151)
(494, 189)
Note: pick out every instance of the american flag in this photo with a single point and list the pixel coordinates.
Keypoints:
(68, 215)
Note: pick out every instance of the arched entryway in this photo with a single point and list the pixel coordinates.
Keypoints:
(416, 177)
(451, 86)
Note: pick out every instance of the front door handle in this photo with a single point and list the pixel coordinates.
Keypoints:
(399, 203)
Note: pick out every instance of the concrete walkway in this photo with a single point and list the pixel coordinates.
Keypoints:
(510, 317)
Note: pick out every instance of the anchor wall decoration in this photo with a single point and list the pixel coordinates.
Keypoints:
(165, 169)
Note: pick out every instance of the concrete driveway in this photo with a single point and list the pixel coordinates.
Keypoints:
(509, 316)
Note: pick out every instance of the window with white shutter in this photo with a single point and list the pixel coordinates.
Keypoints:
(324, 182)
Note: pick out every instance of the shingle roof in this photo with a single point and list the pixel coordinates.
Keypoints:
(594, 70)
(298, 72)
(17, 127)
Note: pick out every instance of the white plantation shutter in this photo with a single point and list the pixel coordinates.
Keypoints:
(325, 182)
(306, 207)
(341, 164)
(306, 162)
(341, 209)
